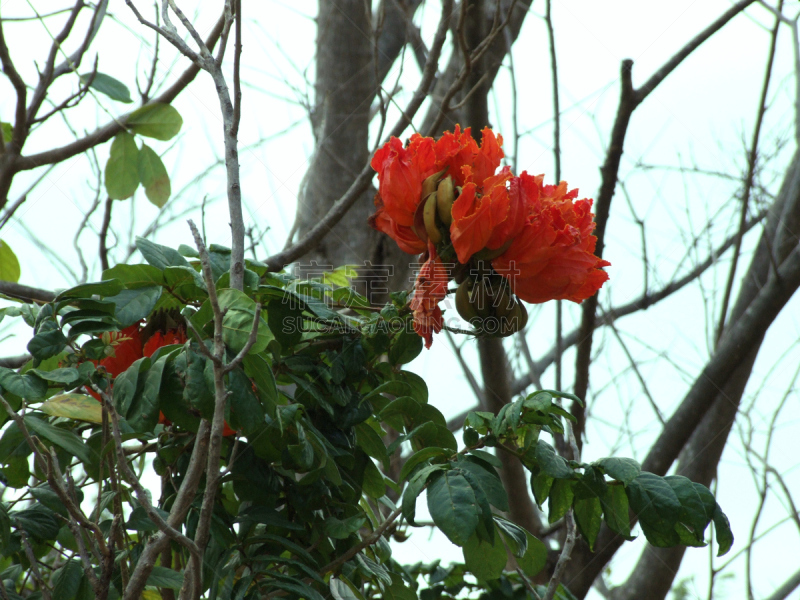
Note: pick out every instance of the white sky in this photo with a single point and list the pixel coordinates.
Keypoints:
(702, 115)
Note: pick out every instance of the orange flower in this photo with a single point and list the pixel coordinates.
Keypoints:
(552, 258)
(476, 216)
(404, 236)
(459, 149)
(401, 172)
(430, 289)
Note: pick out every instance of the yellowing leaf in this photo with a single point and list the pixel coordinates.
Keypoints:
(9, 265)
(151, 595)
(79, 407)
(153, 176)
(159, 121)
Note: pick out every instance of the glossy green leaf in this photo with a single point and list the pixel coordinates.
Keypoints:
(105, 84)
(154, 177)
(122, 168)
(135, 304)
(62, 438)
(535, 556)
(621, 469)
(485, 560)
(243, 409)
(126, 385)
(160, 256)
(22, 385)
(37, 521)
(135, 276)
(165, 578)
(615, 511)
(260, 371)
(156, 120)
(67, 580)
(47, 344)
(406, 347)
(9, 264)
(588, 516)
(488, 479)
(421, 457)
(373, 484)
(453, 505)
(7, 131)
(657, 506)
(107, 287)
(414, 489)
(551, 463)
(561, 495)
(514, 536)
(341, 529)
(74, 406)
(722, 529)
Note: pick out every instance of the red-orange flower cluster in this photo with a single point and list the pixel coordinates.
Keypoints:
(129, 347)
(447, 198)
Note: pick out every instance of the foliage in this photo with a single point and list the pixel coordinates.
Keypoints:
(305, 503)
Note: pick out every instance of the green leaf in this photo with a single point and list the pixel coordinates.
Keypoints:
(621, 469)
(134, 305)
(9, 265)
(135, 276)
(420, 457)
(398, 590)
(453, 505)
(7, 131)
(74, 406)
(238, 322)
(67, 580)
(16, 473)
(488, 479)
(126, 385)
(551, 463)
(722, 529)
(370, 442)
(341, 529)
(373, 484)
(260, 371)
(22, 385)
(414, 489)
(38, 522)
(285, 318)
(154, 177)
(165, 578)
(561, 495)
(541, 483)
(142, 415)
(66, 375)
(105, 84)
(615, 511)
(485, 560)
(122, 170)
(697, 505)
(588, 515)
(535, 556)
(62, 438)
(236, 328)
(244, 410)
(406, 347)
(47, 344)
(657, 507)
(156, 120)
(514, 535)
(107, 287)
(160, 256)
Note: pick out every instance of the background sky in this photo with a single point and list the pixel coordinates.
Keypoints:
(701, 117)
